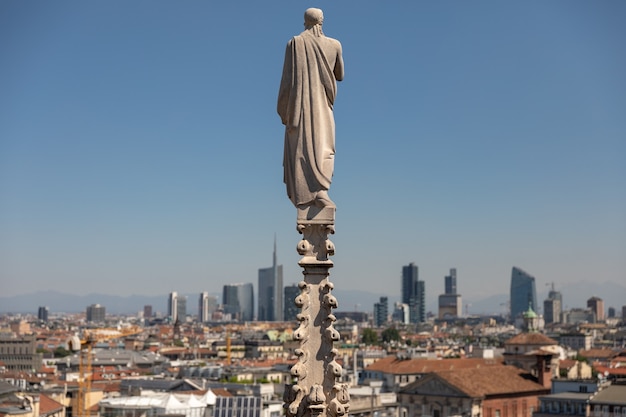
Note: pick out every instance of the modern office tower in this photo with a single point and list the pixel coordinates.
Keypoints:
(523, 293)
(612, 312)
(270, 292)
(181, 307)
(623, 313)
(291, 310)
(42, 314)
(238, 301)
(207, 306)
(203, 307)
(147, 311)
(553, 306)
(596, 305)
(450, 304)
(95, 313)
(450, 282)
(413, 293)
(172, 306)
(381, 311)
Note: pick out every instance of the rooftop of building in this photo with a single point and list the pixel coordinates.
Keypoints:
(599, 353)
(394, 365)
(531, 339)
(483, 382)
(612, 395)
(48, 406)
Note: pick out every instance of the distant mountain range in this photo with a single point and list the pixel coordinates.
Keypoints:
(574, 295)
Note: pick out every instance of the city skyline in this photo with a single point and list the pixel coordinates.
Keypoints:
(144, 155)
(575, 297)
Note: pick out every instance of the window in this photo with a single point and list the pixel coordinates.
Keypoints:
(498, 413)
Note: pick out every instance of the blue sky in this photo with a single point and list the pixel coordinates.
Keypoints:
(141, 152)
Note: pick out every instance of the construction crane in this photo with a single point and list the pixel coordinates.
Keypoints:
(85, 345)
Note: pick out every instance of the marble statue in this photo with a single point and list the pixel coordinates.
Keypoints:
(313, 65)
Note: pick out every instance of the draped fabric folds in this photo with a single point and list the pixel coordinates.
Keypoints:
(305, 105)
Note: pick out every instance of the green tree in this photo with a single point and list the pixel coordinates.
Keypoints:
(61, 352)
(369, 337)
(390, 334)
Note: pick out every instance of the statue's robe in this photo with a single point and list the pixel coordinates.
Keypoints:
(307, 92)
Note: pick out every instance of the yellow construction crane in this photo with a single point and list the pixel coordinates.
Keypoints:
(90, 338)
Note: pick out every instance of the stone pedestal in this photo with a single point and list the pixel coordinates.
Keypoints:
(316, 391)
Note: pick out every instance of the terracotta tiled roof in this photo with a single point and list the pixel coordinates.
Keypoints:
(610, 371)
(221, 392)
(495, 380)
(567, 363)
(598, 353)
(531, 339)
(48, 406)
(393, 365)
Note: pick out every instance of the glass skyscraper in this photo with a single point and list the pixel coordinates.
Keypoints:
(450, 282)
(291, 310)
(270, 304)
(523, 293)
(553, 306)
(238, 300)
(413, 293)
(381, 311)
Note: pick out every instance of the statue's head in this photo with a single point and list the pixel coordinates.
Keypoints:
(313, 17)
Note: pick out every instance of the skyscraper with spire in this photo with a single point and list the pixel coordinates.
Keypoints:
(270, 291)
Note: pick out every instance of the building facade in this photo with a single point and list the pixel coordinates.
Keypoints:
(270, 292)
(20, 353)
(596, 305)
(381, 311)
(523, 292)
(203, 307)
(450, 282)
(290, 309)
(238, 301)
(553, 307)
(95, 313)
(42, 314)
(172, 306)
(450, 304)
(484, 392)
(413, 293)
